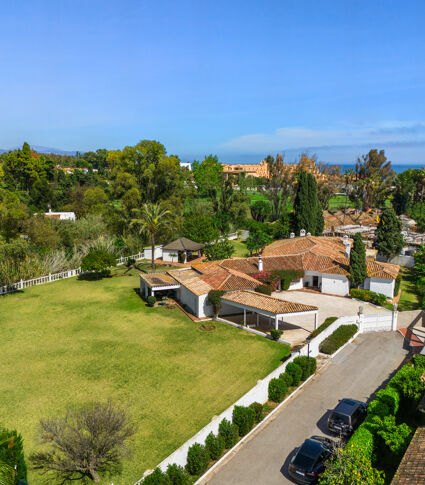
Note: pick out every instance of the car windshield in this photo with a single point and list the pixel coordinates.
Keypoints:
(307, 456)
(340, 418)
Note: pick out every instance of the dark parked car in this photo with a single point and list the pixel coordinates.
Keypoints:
(306, 466)
(346, 417)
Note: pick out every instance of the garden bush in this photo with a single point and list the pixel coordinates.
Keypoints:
(419, 361)
(408, 382)
(363, 439)
(322, 327)
(157, 477)
(214, 445)
(296, 372)
(214, 297)
(275, 334)
(99, 261)
(277, 390)
(378, 408)
(244, 419)
(178, 475)
(12, 452)
(390, 397)
(307, 364)
(258, 411)
(150, 301)
(287, 378)
(198, 459)
(337, 339)
(369, 296)
(264, 289)
(230, 433)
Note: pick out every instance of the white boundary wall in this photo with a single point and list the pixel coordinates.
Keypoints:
(41, 280)
(259, 393)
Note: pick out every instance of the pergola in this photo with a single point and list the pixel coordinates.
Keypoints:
(269, 306)
(157, 282)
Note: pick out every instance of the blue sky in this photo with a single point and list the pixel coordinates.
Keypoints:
(237, 78)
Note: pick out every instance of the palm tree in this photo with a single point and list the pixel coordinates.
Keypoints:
(151, 219)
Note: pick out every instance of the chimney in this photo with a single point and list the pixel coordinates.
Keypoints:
(260, 263)
(292, 235)
(302, 232)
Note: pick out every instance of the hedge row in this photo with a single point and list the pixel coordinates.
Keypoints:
(337, 339)
(370, 296)
(405, 384)
(322, 327)
(296, 371)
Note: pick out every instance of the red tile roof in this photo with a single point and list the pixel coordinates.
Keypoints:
(412, 467)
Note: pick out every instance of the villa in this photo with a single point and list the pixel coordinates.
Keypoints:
(323, 261)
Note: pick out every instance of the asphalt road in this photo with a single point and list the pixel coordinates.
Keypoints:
(356, 372)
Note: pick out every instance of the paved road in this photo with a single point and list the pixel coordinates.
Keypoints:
(356, 372)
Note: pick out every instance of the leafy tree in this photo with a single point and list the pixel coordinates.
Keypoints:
(200, 228)
(219, 250)
(41, 233)
(151, 219)
(307, 210)
(389, 240)
(41, 194)
(214, 297)
(178, 475)
(419, 269)
(373, 179)
(84, 444)
(282, 227)
(198, 459)
(94, 199)
(99, 261)
(260, 209)
(396, 437)
(279, 185)
(257, 241)
(208, 176)
(12, 461)
(12, 214)
(357, 269)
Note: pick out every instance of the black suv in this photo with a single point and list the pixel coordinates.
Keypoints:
(346, 417)
(306, 466)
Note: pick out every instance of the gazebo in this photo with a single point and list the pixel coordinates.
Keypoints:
(182, 250)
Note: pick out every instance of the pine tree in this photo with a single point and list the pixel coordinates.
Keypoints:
(308, 213)
(389, 240)
(358, 271)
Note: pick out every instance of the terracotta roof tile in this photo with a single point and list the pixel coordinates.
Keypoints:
(412, 467)
(158, 279)
(266, 303)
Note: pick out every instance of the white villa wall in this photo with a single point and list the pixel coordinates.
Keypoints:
(186, 297)
(381, 285)
(148, 252)
(169, 255)
(308, 278)
(205, 309)
(296, 284)
(335, 284)
(227, 309)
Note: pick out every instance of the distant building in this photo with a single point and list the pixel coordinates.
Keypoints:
(187, 165)
(250, 170)
(62, 216)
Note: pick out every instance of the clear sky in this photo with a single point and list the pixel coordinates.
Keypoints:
(237, 78)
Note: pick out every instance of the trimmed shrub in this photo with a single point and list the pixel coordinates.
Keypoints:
(367, 295)
(322, 327)
(214, 297)
(419, 361)
(230, 433)
(99, 261)
(157, 477)
(198, 459)
(178, 475)
(214, 445)
(390, 397)
(408, 382)
(264, 289)
(244, 419)
(287, 378)
(378, 408)
(277, 390)
(363, 439)
(307, 364)
(12, 452)
(338, 338)
(275, 334)
(296, 373)
(150, 301)
(258, 411)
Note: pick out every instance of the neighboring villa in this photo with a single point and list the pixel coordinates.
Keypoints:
(324, 261)
(62, 216)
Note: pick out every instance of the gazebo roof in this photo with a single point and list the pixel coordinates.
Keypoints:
(183, 244)
(262, 302)
(156, 280)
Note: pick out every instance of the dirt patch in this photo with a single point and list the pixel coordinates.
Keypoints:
(206, 328)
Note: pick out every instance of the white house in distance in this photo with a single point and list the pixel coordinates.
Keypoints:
(324, 262)
(62, 216)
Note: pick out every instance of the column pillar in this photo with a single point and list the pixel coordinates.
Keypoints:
(315, 320)
(258, 318)
(394, 318)
(244, 317)
(276, 323)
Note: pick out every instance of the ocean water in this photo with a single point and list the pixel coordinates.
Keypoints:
(397, 167)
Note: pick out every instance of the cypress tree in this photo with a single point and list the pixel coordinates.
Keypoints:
(389, 240)
(358, 271)
(308, 213)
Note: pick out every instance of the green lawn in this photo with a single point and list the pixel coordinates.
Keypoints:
(73, 342)
(337, 202)
(240, 248)
(409, 299)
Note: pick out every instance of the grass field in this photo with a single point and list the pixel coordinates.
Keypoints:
(409, 299)
(72, 342)
(337, 202)
(240, 248)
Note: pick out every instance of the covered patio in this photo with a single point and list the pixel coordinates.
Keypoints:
(264, 312)
(157, 284)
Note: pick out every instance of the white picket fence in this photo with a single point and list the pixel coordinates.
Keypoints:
(41, 280)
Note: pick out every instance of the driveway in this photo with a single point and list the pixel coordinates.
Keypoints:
(296, 329)
(356, 372)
